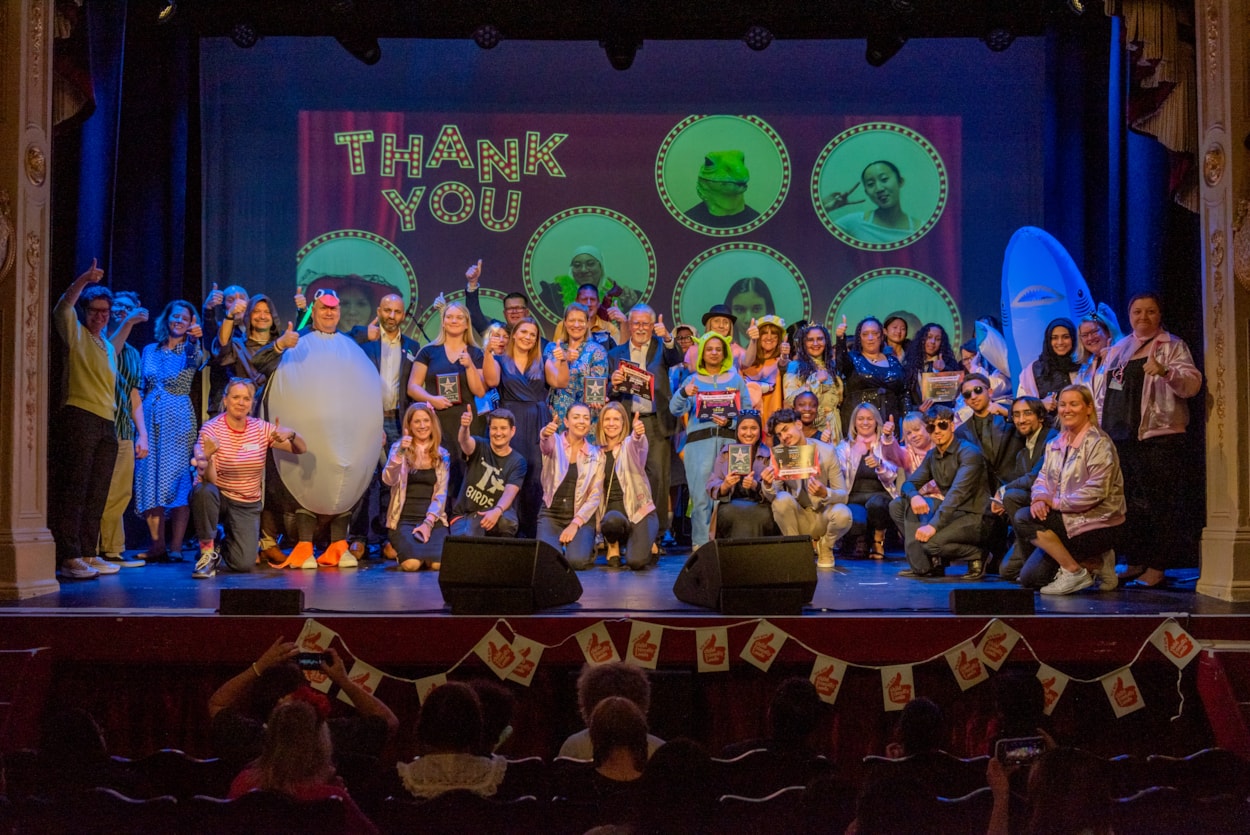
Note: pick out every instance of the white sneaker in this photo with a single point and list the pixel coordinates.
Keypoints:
(103, 566)
(78, 569)
(824, 553)
(1107, 578)
(348, 560)
(206, 565)
(1066, 583)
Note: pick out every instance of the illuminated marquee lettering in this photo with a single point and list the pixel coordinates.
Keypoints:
(508, 161)
(487, 212)
(410, 156)
(438, 199)
(449, 147)
(540, 153)
(406, 209)
(355, 141)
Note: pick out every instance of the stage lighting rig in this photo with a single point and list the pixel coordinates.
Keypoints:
(882, 47)
(621, 51)
(758, 38)
(168, 12)
(487, 36)
(364, 48)
(244, 34)
(999, 38)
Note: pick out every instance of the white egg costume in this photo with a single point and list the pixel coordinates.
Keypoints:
(327, 389)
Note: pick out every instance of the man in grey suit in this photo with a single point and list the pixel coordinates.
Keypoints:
(650, 346)
(814, 506)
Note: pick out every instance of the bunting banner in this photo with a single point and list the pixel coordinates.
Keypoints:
(315, 637)
(897, 687)
(1122, 692)
(1177, 645)
(1000, 639)
(763, 645)
(365, 675)
(496, 652)
(644, 644)
(1053, 685)
(966, 664)
(597, 645)
(827, 675)
(426, 685)
(712, 649)
(529, 654)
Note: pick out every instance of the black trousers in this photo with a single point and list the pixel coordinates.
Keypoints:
(86, 450)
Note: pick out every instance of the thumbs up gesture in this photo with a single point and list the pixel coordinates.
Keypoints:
(405, 443)
(887, 428)
(558, 354)
(1154, 363)
(215, 298)
(289, 339)
(301, 302)
(474, 274)
(841, 329)
(639, 427)
(753, 331)
(94, 274)
(550, 428)
(278, 435)
(374, 332)
(785, 352)
(660, 330)
(466, 418)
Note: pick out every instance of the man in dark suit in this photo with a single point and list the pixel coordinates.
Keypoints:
(650, 346)
(997, 440)
(392, 354)
(1029, 415)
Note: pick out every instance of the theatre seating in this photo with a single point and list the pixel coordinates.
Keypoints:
(1208, 773)
(261, 811)
(174, 772)
(457, 812)
(948, 775)
(779, 813)
(762, 772)
(967, 815)
(97, 811)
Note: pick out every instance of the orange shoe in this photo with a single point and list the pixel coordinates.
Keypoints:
(301, 557)
(337, 556)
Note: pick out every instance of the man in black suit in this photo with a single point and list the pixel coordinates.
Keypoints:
(652, 347)
(1029, 416)
(997, 440)
(392, 354)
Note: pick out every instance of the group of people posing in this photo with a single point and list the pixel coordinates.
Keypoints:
(493, 430)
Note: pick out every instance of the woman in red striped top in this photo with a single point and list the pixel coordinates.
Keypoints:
(230, 458)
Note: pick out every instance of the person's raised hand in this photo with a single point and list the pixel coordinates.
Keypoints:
(835, 200)
(691, 387)
(405, 443)
(616, 315)
(281, 650)
(139, 314)
(466, 418)
(301, 301)
(209, 446)
(215, 298)
(748, 481)
(659, 329)
(374, 332)
(618, 376)
(887, 428)
(639, 428)
(1154, 363)
(753, 330)
(289, 339)
(558, 353)
(238, 308)
(196, 331)
(464, 359)
(840, 331)
(280, 435)
(785, 353)
(474, 274)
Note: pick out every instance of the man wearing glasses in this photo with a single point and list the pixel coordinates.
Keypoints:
(1028, 415)
(938, 531)
(989, 430)
(516, 306)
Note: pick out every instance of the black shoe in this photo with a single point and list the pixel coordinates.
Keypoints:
(976, 570)
(924, 575)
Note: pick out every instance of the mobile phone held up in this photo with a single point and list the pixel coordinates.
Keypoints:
(1019, 751)
(312, 660)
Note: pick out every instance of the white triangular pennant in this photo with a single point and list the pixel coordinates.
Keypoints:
(530, 653)
(596, 644)
(827, 675)
(644, 644)
(897, 687)
(998, 642)
(315, 637)
(426, 685)
(1053, 685)
(1177, 645)
(497, 653)
(712, 649)
(966, 665)
(762, 647)
(367, 676)
(1122, 692)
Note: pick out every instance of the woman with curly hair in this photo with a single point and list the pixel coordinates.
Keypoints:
(813, 370)
(929, 352)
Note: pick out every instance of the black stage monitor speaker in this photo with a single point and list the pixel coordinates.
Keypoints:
(772, 575)
(484, 575)
(261, 602)
(992, 602)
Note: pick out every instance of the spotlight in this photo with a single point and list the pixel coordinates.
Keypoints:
(167, 12)
(999, 38)
(364, 48)
(881, 48)
(758, 38)
(621, 51)
(1077, 6)
(487, 36)
(244, 34)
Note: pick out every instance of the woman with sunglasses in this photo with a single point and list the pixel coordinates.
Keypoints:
(1055, 369)
(1150, 375)
(871, 373)
(739, 510)
(1077, 504)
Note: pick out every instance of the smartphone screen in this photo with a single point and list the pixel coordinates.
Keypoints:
(1019, 751)
(311, 660)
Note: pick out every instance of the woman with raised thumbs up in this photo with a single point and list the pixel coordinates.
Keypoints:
(417, 471)
(871, 373)
(626, 514)
(1150, 375)
(572, 482)
(586, 358)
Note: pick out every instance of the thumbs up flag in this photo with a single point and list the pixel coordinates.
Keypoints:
(496, 652)
(827, 675)
(596, 645)
(965, 662)
(711, 647)
(367, 676)
(897, 687)
(1177, 645)
(1122, 692)
(763, 645)
(643, 649)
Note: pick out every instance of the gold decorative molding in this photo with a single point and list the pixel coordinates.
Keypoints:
(1241, 244)
(1212, 15)
(1213, 165)
(8, 252)
(36, 165)
(30, 339)
(38, 32)
(1216, 260)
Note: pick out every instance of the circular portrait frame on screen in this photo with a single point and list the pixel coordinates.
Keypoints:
(722, 175)
(587, 245)
(752, 279)
(424, 328)
(879, 167)
(361, 267)
(880, 292)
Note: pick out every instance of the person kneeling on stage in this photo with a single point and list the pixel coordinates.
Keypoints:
(812, 506)
(627, 516)
(230, 457)
(572, 482)
(740, 511)
(950, 528)
(416, 471)
(1078, 502)
(493, 479)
